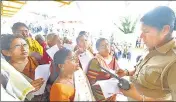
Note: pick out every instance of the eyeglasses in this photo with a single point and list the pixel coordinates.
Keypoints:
(19, 46)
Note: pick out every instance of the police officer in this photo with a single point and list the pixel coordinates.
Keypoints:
(154, 77)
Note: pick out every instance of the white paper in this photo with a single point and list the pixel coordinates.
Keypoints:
(42, 71)
(109, 87)
(121, 97)
(51, 51)
(85, 59)
(69, 46)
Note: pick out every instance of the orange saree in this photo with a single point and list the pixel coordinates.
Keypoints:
(62, 92)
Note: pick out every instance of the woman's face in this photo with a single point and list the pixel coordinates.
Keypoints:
(70, 65)
(104, 48)
(83, 43)
(152, 37)
(19, 48)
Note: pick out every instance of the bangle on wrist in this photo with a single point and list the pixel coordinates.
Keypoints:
(127, 74)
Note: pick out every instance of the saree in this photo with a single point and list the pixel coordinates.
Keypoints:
(61, 92)
(81, 91)
(21, 87)
(29, 69)
(29, 74)
(95, 74)
(45, 58)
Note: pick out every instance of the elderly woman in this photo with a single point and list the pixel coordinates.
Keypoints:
(154, 76)
(94, 74)
(17, 50)
(64, 88)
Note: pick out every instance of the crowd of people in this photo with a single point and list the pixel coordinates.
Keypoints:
(153, 78)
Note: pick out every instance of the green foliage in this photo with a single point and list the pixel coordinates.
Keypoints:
(127, 25)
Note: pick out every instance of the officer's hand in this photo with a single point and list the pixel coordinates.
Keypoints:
(121, 72)
(132, 92)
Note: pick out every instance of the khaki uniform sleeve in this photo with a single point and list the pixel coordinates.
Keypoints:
(171, 78)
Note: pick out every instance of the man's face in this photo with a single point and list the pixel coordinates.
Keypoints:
(22, 31)
(151, 36)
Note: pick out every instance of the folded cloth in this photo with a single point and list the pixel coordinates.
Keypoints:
(82, 86)
(20, 86)
(5, 96)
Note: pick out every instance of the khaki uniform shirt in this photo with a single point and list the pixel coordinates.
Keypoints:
(155, 74)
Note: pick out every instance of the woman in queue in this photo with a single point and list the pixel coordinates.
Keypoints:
(17, 50)
(82, 43)
(64, 88)
(94, 74)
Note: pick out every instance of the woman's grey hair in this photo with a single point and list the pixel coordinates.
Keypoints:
(6, 40)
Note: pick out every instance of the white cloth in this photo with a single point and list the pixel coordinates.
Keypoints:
(5, 96)
(85, 59)
(20, 86)
(2, 56)
(82, 86)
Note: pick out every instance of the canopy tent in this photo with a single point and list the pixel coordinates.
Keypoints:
(24, 11)
(95, 15)
(9, 8)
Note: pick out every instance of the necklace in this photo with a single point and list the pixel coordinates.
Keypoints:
(66, 81)
(69, 81)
